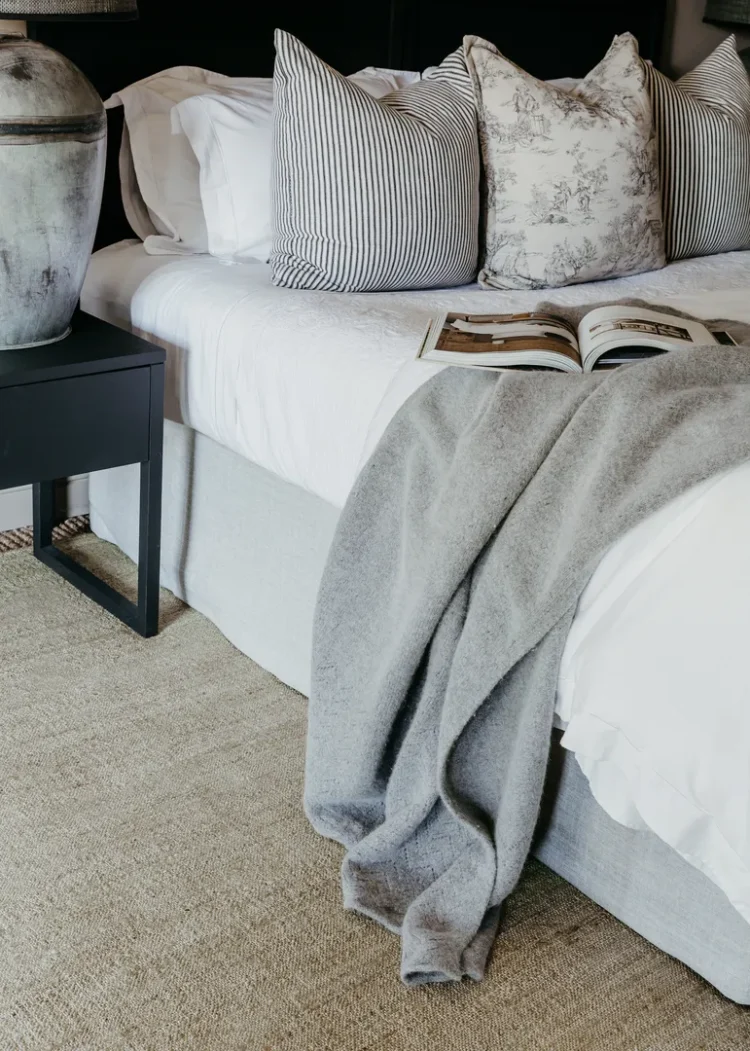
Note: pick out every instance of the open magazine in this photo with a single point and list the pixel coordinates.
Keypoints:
(605, 337)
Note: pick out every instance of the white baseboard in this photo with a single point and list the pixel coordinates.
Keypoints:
(15, 504)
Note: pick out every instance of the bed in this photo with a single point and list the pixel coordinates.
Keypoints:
(276, 398)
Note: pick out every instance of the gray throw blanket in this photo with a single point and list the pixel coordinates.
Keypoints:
(444, 609)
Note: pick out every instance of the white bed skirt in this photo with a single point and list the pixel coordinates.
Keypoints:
(240, 545)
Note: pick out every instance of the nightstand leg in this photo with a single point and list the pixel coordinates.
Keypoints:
(44, 514)
(149, 536)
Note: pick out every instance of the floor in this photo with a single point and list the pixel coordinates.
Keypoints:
(160, 888)
(15, 539)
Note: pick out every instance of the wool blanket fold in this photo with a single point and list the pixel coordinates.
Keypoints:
(444, 608)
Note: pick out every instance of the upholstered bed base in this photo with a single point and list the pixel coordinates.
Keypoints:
(247, 550)
(238, 544)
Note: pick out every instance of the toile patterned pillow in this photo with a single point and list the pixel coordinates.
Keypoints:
(572, 178)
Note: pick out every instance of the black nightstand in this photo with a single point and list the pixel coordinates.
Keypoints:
(95, 400)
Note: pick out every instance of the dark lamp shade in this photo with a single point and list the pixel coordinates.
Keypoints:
(64, 10)
(726, 12)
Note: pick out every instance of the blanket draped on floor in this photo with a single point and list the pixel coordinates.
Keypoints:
(444, 609)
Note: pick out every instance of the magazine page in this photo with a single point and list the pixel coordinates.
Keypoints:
(622, 333)
(502, 340)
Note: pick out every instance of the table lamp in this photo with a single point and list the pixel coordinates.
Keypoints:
(52, 152)
(733, 14)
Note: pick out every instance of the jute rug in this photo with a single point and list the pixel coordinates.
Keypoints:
(161, 890)
(15, 539)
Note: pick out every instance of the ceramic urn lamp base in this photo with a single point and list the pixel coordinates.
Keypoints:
(52, 153)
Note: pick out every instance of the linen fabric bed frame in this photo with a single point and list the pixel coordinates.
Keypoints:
(227, 520)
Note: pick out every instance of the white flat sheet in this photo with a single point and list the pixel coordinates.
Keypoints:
(655, 682)
(303, 383)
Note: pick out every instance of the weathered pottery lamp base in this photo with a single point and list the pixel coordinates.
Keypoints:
(39, 342)
(52, 151)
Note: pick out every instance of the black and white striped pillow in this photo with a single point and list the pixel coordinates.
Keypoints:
(703, 127)
(372, 194)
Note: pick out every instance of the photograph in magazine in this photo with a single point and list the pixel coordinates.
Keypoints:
(605, 337)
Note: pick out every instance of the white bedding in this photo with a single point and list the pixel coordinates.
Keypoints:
(655, 682)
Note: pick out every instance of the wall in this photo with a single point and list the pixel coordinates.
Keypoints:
(690, 39)
(15, 504)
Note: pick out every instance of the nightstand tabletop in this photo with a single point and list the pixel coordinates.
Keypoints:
(93, 346)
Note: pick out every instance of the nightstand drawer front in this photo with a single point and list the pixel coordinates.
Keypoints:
(71, 426)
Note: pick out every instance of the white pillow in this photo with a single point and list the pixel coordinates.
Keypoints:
(158, 170)
(160, 174)
(564, 83)
(379, 82)
(230, 131)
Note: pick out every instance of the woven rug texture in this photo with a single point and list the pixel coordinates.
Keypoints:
(16, 539)
(161, 890)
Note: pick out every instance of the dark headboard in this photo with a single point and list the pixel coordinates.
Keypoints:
(550, 38)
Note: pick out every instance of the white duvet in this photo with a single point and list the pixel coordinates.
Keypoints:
(655, 682)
